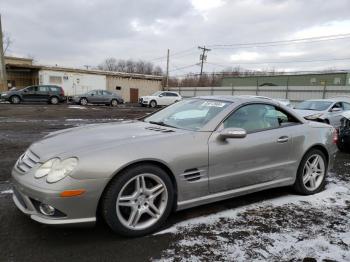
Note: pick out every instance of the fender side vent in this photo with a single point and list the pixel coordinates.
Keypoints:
(192, 174)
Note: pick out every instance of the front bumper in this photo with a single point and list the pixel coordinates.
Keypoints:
(30, 192)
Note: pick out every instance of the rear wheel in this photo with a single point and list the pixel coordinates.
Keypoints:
(83, 101)
(54, 100)
(114, 102)
(138, 200)
(15, 100)
(311, 173)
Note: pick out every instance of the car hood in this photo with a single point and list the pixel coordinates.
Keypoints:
(304, 113)
(74, 141)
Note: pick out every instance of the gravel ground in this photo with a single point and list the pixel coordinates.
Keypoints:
(274, 225)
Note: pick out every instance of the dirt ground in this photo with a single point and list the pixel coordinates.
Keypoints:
(273, 225)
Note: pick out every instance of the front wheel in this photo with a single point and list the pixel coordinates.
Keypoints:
(153, 104)
(15, 100)
(83, 101)
(311, 173)
(138, 200)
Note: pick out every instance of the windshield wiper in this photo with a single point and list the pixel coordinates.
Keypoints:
(160, 123)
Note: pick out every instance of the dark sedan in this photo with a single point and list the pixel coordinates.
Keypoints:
(98, 97)
(41, 93)
(344, 132)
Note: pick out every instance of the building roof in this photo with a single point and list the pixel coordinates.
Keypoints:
(17, 62)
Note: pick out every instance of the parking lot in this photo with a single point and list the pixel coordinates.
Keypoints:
(274, 225)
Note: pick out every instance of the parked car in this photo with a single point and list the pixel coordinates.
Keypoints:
(344, 132)
(197, 151)
(323, 110)
(41, 93)
(160, 98)
(98, 97)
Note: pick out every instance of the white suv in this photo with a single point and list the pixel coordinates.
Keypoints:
(160, 98)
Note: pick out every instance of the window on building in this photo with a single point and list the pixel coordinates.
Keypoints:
(55, 79)
(337, 80)
(313, 81)
(118, 88)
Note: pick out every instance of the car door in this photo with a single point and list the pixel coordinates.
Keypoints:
(29, 93)
(42, 93)
(261, 157)
(107, 96)
(92, 97)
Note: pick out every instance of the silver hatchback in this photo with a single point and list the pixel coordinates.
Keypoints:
(194, 152)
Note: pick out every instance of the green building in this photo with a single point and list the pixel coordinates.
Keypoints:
(341, 78)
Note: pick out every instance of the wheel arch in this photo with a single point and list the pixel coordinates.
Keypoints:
(320, 147)
(157, 163)
(19, 96)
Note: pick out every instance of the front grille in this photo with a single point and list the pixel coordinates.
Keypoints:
(27, 161)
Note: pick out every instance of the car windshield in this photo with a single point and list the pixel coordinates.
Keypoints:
(190, 114)
(156, 93)
(314, 105)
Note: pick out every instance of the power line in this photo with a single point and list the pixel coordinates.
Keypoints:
(183, 67)
(279, 42)
(284, 62)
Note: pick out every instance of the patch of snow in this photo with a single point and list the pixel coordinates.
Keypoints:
(9, 191)
(77, 107)
(278, 229)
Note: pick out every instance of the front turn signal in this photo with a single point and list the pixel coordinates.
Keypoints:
(72, 193)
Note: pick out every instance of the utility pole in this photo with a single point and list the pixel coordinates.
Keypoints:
(3, 80)
(203, 57)
(167, 70)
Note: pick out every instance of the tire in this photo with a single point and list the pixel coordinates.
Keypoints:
(83, 101)
(54, 100)
(15, 100)
(318, 177)
(153, 103)
(117, 215)
(114, 102)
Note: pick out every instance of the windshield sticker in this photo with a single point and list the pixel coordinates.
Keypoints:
(213, 104)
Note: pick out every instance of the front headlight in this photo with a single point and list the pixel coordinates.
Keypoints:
(313, 117)
(56, 169)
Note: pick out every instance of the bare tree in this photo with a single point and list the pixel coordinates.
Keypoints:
(130, 66)
(7, 41)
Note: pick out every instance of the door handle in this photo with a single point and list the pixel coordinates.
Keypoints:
(283, 139)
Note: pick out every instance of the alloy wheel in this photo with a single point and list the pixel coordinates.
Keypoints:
(313, 172)
(142, 201)
(54, 100)
(83, 101)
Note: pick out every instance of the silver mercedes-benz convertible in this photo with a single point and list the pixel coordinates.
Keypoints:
(133, 174)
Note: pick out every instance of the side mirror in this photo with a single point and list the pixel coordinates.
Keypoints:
(336, 109)
(232, 133)
(92, 95)
(160, 95)
(25, 90)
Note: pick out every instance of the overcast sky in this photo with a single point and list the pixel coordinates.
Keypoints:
(84, 32)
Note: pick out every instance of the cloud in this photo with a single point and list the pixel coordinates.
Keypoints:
(84, 32)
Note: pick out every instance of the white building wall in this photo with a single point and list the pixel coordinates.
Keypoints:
(72, 83)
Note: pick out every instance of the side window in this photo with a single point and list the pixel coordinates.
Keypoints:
(92, 93)
(171, 94)
(32, 89)
(337, 105)
(106, 93)
(53, 88)
(346, 106)
(259, 117)
(42, 89)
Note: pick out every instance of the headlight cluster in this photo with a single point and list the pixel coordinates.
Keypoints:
(56, 169)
